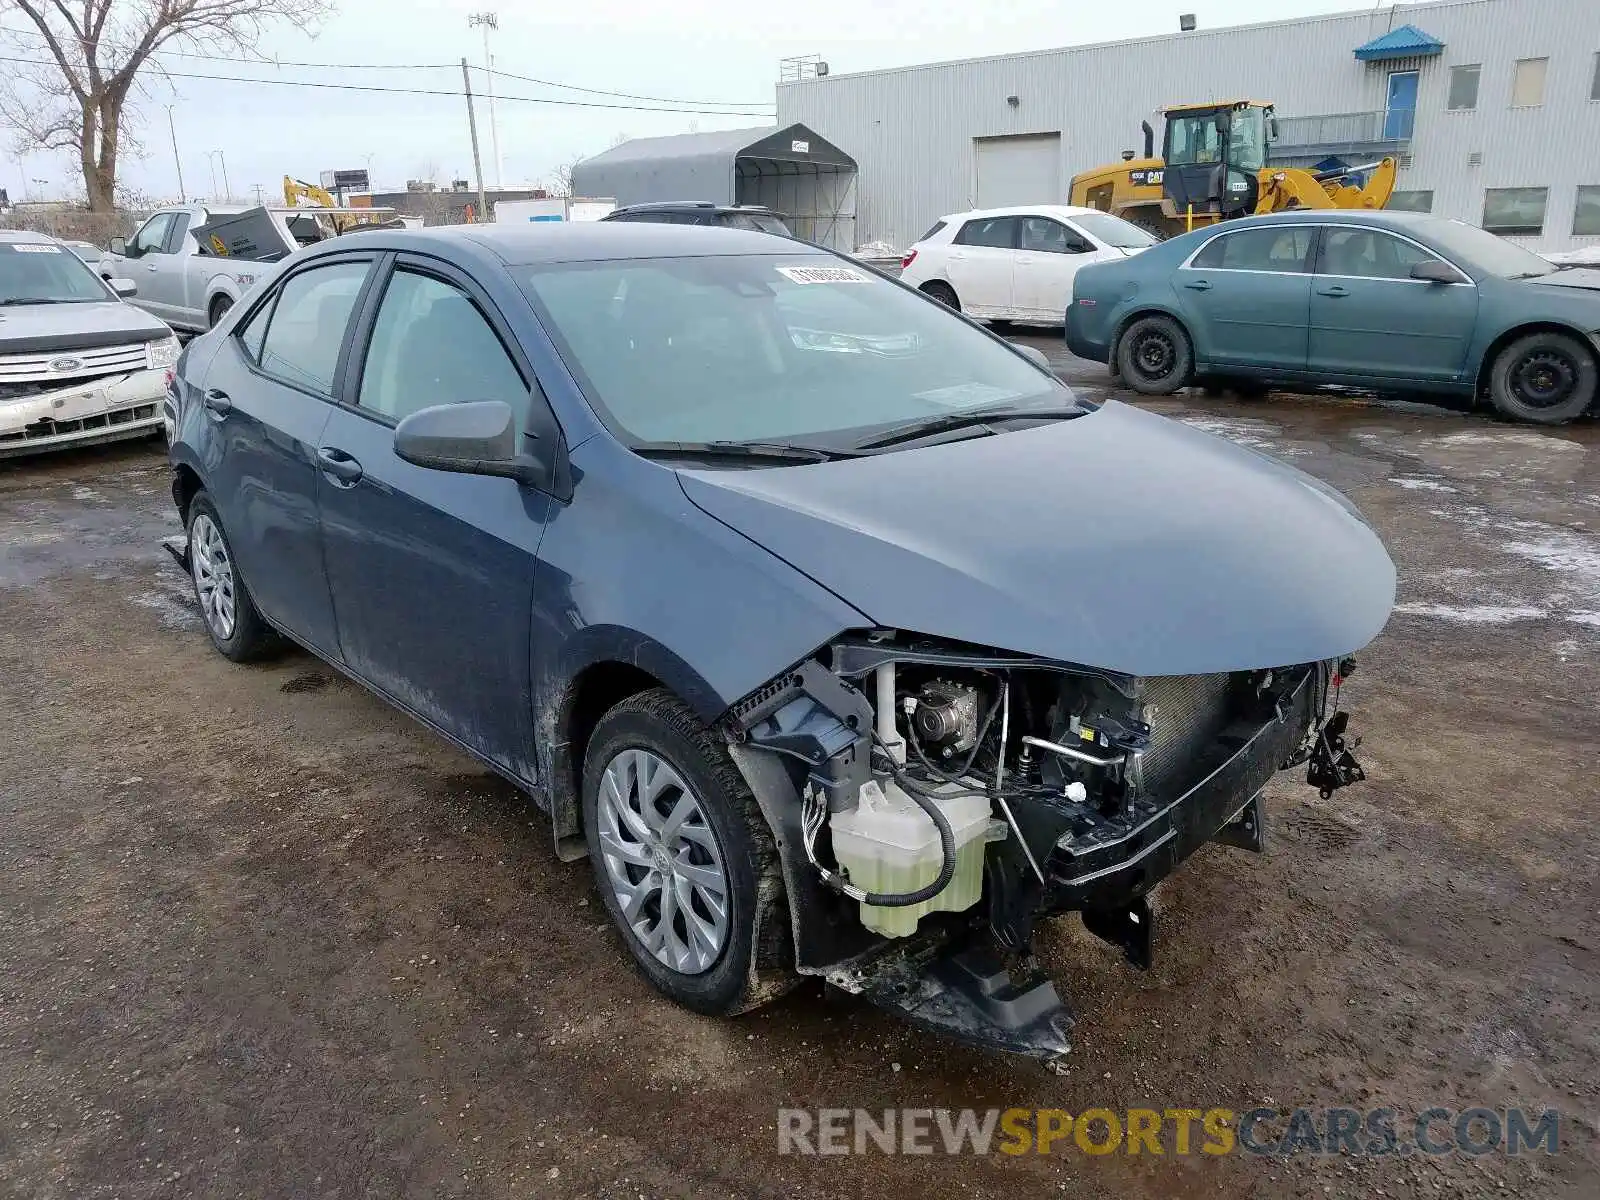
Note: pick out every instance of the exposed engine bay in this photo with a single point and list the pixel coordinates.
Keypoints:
(949, 797)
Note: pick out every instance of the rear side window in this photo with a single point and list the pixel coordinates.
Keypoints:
(432, 345)
(1266, 249)
(180, 227)
(997, 232)
(307, 325)
(937, 226)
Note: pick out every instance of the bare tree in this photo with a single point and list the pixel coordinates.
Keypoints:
(77, 98)
(563, 184)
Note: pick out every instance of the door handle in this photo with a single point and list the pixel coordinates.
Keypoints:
(217, 401)
(1335, 291)
(338, 466)
(1199, 285)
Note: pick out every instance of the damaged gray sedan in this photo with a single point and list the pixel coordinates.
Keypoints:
(838, 634)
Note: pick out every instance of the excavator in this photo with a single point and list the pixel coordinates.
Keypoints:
(297, 193)
(1213, 167)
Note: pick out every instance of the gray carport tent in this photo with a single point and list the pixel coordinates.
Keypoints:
(791, 170)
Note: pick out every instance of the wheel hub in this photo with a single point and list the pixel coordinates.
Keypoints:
(1154, 354)
(1544, 378)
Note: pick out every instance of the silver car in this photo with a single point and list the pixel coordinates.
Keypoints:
(77, 365)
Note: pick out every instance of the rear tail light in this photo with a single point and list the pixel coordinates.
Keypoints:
(908, 260)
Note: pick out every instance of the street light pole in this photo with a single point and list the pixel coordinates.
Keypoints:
(176, 161)
(226, 186)
(472, 128)
(488, 21)
(211, 157)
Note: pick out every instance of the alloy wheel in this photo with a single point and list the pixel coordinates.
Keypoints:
(213, 577)
(662, 861)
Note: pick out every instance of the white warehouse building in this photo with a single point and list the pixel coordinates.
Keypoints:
(1492, 108)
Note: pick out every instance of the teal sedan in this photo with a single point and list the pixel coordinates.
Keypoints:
(1389, 301)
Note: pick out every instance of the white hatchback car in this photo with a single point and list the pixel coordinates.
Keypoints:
(1016, 264)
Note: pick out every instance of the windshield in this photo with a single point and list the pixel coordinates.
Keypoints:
(1247, 139)
(1114, 231)
(1198, 138)
(769, 347)
(46, 273)
(1487, 252)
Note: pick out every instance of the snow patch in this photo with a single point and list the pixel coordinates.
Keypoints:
(1473, 614)
(1254, 434)
(1416, 484)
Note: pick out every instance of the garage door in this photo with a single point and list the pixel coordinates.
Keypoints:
(1019, 170)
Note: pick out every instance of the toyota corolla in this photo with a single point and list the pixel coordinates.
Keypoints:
(840, 636)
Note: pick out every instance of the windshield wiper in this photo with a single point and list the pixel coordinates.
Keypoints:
(773, 451)
(6, 303)
(948, 422)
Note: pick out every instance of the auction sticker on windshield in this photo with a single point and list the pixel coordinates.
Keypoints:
(35, 248)
(822, 275)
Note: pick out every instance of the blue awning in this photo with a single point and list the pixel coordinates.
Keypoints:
(1406, 42)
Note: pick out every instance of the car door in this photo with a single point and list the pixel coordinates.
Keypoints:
(1370, 318)
(1247, 296)
(979, 265)
(269, 391)
(142, 261)
(431, 572)
(1049, 254)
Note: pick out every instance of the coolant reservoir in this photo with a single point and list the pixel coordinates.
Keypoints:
(888, 844)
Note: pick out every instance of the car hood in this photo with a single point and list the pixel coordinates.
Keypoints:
(40, 328)
(1120, 540)
(1570, 277)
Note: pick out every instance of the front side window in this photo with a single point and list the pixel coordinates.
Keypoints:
(999, 233)
(1194, 139)
(1485, 253)
(1043, 234)
(1586, 218)
(307, 326)
(768, 347)
(432, 345)
(1247, 139)
(1464, 87)
(1514, 211)
(152, 238)
(1281, 251)
(1368, 254)
(45, 273)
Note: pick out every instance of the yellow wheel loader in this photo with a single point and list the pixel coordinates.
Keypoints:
(1213, 167)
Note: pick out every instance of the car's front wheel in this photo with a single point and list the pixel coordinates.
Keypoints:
(237, 628)
(1546, 378)
(684, 860)
(1154, 356)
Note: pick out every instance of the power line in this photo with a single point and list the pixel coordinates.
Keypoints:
(571, 87)
(328, 66)
(412, 91)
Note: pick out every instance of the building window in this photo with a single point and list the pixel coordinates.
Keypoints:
(1514, 211)
(1464, 87)
(1586, 219)
(1594, 86)
(1527, 82)
(1410, 202)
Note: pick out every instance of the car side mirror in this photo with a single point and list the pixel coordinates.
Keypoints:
(119, 245)
(1433, 271)
(123, 287)
(1034, 355)
(1078, 245)
(475, 438)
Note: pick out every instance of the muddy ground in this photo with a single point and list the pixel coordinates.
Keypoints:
(262, 936)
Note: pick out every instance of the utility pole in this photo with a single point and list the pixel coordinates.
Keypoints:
(211, 158)
(472, 126)
(176, 161)
(259, 200)
(226, 186)
(490, 21)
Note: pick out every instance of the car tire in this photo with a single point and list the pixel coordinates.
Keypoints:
(943, 293)
(1546, 378)
(236, 627)
(1154, 356)
(722, 841)
(219, 309)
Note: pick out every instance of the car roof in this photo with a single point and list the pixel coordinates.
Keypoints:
(1399, 221)
(26, 236)
(1023, 210)
(690, 206)
(580, 241)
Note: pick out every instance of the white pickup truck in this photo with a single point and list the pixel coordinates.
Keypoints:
(194, 263)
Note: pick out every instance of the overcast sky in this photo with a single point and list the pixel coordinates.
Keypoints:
(694, 50)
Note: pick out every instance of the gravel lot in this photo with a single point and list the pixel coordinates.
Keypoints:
(263, 936)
